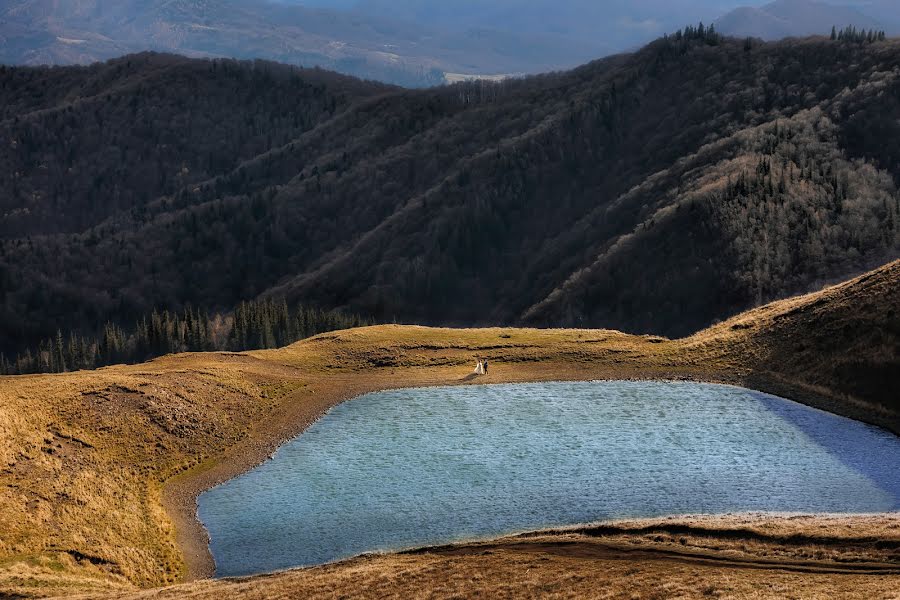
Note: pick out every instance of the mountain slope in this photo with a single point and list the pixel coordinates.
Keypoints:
(840, 346)
(87, 143)
(657, 191)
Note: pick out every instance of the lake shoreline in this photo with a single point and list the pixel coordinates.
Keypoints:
(829, 555)
(154, 435)
(180, 494)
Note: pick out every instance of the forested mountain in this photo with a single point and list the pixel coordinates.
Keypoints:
(652, 192)
(87, 143)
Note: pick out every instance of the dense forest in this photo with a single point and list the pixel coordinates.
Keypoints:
(87, 143)
(656, 191)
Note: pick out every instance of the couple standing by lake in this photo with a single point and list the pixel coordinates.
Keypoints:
(481, 367)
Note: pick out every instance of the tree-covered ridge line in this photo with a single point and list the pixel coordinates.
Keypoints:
(859, 36)
(700, 33)
(253, 325)
(595, 197)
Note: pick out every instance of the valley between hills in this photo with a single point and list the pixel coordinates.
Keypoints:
(100, 470)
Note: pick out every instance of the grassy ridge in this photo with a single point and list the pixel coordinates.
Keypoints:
(750, 556)
(84, 456)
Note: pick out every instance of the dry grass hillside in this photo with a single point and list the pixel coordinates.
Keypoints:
(744, 557)
(838, 348)
(99, 470)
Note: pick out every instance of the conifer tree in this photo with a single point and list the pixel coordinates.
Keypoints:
(59, 353)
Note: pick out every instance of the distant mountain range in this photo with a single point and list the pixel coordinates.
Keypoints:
(655, 191)
(405, 42)
(369, 46)
(798, 18)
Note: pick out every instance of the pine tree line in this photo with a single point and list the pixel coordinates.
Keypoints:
(858, 36)
(271, 324)
(252, 326)
(700, 33)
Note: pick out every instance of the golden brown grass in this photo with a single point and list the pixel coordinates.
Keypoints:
(719, 557)
(99, 470)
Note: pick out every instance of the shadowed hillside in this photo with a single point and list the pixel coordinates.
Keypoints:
(658, 191)
(91, 142)
(841, 345)
(97, 466)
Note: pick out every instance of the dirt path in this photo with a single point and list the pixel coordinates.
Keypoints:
(597, 550)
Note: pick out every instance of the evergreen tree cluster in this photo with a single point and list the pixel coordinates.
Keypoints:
(700, 33)
(271, 324)
(253, 325)
(857, 36)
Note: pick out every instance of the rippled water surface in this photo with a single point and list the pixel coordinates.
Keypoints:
(414, 467)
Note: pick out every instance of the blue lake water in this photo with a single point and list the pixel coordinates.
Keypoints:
(415, 467)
